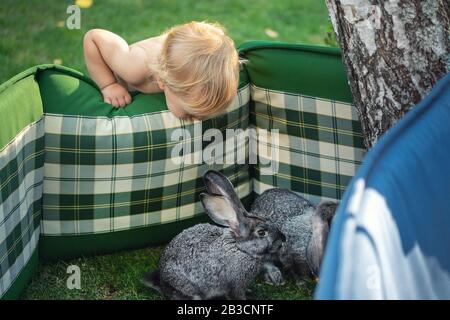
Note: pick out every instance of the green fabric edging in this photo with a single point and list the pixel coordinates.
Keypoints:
(21, 92)
(21, 282)
(20, 105)
(65, 92)
(296, 68)
(62, 90)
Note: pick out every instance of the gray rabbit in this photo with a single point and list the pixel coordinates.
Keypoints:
(207, 261)
(305, 227)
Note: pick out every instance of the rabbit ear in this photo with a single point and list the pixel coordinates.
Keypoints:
(316, 246)
(326, 211)
(222, 212)
(217, 183)
(321, 223)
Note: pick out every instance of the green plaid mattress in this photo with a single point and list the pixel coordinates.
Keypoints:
(302, 92)
(85, 178)
(320, 143)
(21, 176)
(110, 174)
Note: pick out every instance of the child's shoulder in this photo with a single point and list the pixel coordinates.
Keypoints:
(151, 46)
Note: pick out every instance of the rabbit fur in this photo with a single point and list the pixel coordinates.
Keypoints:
(208, 261)
(305, 227)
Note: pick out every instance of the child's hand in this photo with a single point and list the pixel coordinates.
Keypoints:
(116, 95)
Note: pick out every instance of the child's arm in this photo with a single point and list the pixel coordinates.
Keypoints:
(106, 53)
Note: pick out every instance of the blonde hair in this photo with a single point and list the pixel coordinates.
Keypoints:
(200, 64)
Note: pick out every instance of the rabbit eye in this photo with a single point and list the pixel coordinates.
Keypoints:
(262, 233)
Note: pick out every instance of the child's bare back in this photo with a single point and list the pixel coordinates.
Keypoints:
(195, 65)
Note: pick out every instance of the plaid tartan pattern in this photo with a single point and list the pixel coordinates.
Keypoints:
(110, 174)
(21, 176)
(320, 143)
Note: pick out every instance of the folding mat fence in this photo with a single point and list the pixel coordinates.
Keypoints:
(79, 177)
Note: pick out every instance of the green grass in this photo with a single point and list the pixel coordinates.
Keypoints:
(30, 34)
(33, 32)
(116, 276)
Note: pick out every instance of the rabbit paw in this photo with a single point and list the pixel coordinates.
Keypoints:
(274, 277)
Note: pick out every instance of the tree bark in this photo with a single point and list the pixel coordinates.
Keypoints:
(394, 52)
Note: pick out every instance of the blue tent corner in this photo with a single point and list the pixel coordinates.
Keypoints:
(391, 235)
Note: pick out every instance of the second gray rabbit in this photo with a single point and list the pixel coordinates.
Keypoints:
(305, 227)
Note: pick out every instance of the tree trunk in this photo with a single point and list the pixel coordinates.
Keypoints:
(394, 51)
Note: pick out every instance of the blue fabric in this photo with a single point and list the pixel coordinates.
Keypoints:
(391, 235)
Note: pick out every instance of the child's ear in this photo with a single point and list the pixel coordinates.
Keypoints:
(160, 83)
